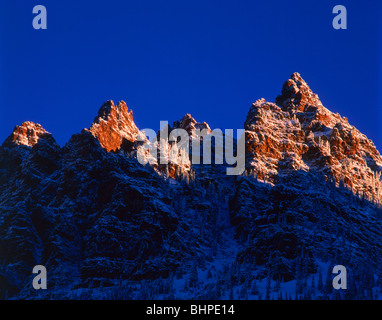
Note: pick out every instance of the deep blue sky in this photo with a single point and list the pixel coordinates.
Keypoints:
(167, 58)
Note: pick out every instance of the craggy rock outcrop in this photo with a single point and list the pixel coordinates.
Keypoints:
(189, 124)
(299, 133)
(114, 126)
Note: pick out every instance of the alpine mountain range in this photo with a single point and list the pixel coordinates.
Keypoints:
(107, 227)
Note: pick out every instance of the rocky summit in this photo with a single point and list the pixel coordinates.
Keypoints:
(299, 133)
(114, 126)
(106, 226)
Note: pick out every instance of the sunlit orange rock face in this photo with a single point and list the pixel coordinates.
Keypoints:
(299, 133)
(114, 126)
(28, 134)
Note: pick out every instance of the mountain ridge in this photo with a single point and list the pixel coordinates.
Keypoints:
(107, 227)
(307, 136)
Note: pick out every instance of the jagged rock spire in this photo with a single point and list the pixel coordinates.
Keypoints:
(189, 124)
(297, 95)
(114, 125)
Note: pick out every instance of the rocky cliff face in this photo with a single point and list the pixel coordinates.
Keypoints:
(114, 126)
(299, 133)
(106, 226)
(27, 134)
